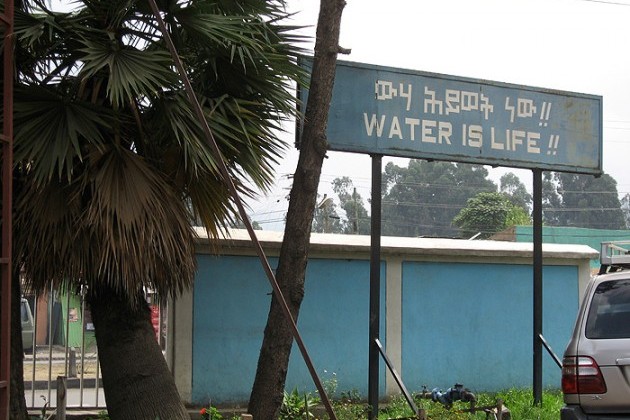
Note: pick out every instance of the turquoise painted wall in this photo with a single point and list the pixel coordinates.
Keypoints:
(460, 322)
(231, 302)
(472, 324)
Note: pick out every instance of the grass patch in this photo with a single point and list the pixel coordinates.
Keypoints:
(520, 402)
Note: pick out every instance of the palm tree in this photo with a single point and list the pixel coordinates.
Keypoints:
(111, 165)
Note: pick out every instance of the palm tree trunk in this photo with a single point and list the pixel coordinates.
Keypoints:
(136, 378)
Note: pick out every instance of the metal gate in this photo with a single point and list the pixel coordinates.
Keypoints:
(58, 338)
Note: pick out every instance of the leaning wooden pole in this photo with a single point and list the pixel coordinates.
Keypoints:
(275, 351)
(227, 178)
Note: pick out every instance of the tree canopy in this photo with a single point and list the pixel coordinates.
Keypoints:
(349, 216)
(325, 218)
(357, 220)
(581, 201)
(488, 213)
(513, 188)
(423, 198)
(625, 208)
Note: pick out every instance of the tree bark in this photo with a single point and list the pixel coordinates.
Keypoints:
(266, 397)
(17, 402)
(136, 378)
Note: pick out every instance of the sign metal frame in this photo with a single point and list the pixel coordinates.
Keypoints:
(408, 113)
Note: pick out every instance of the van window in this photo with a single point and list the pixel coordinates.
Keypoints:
(24, 309)
(609, 314)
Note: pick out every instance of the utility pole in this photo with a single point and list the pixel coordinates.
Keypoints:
(356, 212)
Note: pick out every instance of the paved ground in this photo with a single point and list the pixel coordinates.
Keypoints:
(75, 398)
(40, 379)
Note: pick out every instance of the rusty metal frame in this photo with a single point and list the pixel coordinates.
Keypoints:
(6, 138)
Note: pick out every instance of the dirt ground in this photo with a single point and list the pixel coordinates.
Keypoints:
(43, 371)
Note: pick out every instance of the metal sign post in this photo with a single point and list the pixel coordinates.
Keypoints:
(538, 287)
(375, 287)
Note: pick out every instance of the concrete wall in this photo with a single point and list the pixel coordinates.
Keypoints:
(452, 311)
(474, 322)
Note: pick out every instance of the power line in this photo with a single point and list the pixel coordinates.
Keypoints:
(582, 209)
(614, 3)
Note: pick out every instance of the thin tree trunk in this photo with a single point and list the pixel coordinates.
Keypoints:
(136, 379)
(266, 396)
(17, 402)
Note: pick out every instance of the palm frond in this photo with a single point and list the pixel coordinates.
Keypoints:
(131, 73)
(110, 158)
(120, 223)
(53, 132)
(203, 28)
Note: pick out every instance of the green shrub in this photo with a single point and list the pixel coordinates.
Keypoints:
(297, 406)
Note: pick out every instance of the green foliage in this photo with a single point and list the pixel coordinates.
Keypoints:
(488, 213)
(582, 201)
(357, 220)
(423, 199)
(103, 415)
(350, 406)
(111, 159)
(107, 145)
(296, 405)
(326, 219)
(625, 208)
(518, 401)
(511, 186)
(210, 413)
(330, 384)
(521, 404)
(396, 408)
(517, 216)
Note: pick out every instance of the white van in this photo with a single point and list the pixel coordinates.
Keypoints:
(28, 325)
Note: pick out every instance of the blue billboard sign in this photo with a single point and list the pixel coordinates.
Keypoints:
(398, 112)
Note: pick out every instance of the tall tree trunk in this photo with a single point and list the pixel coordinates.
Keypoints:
(17, 402)
(273, 361)
(136, 378)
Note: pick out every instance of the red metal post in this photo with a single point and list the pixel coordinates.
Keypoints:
(7, 204)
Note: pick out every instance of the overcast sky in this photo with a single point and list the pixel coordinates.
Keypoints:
(571, 45)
